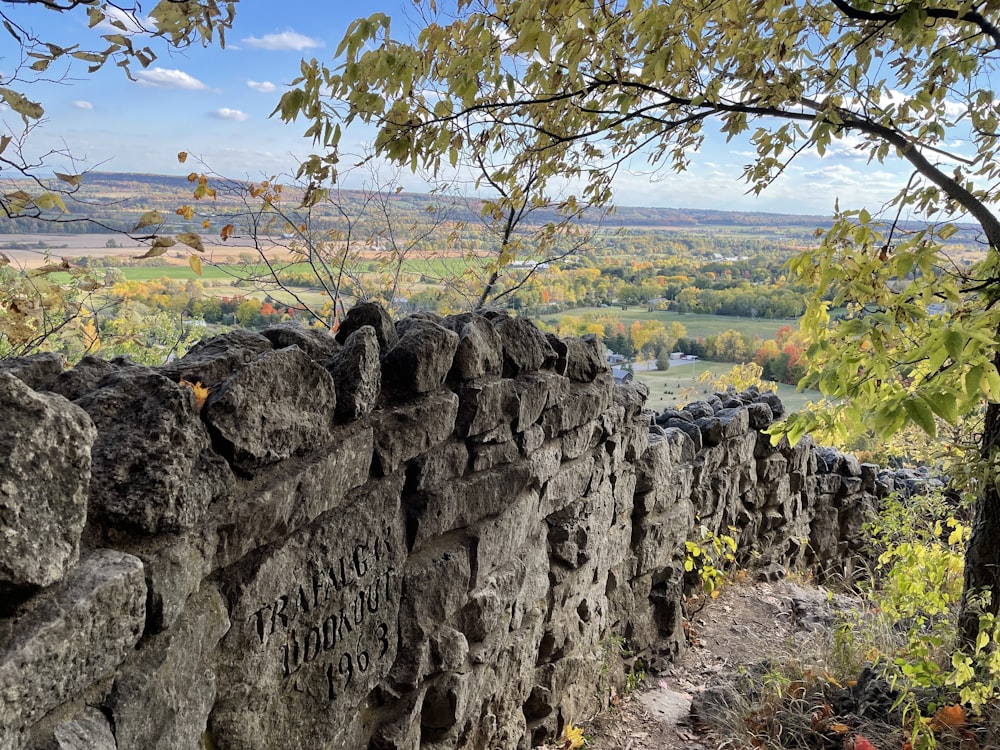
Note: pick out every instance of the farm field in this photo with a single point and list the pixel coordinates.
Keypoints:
(697, 325)
(679, 385)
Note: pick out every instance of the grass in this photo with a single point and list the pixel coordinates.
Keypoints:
(697, 325)
(679, 385)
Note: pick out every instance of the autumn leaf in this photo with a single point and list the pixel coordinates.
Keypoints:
(572, 737)
(48, 201)
(182, 156)
(72, 179)
(192, 240)
(200, 392)
(148, 219)
(186, 211)
(949, 717)
(227, 231)
(195, 262)
(160, 245)
(861, 743)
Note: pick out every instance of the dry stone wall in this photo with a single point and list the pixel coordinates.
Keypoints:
(429, 533)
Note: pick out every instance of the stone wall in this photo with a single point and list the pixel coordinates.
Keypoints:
(432, 533)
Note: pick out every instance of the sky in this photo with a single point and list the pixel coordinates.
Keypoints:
(215, 104)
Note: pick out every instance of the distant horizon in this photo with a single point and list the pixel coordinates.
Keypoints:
(616, 204)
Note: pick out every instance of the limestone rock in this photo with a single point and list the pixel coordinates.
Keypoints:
(314, 628)
(698, 410)
(413, 428)
(291, 497)
(580, 359)
(480, 350)
(317, 343)
(773, 401)
(83, 377)
(735, 421)
(88, 731)
(420, 361)
(44, 474)
(37, 371)
(68, 637)
(153, 464)
(525, 348)
(369, 314)
(485, 406)
(357, 374)
(174, 571)
(712, 430)
(211, 361)
(760, 415)
(280, 404)
(163, 695)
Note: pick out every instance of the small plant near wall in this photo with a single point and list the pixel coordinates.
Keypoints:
(705, 561)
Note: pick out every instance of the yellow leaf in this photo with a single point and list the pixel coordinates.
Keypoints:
(182, 156)
(200, 392)
(48, 201)
(148, 219)
(839, 728)
(206, 224)
(572, 736)
(186, 211)
(195, 262)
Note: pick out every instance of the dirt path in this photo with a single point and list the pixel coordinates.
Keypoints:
(747, 623)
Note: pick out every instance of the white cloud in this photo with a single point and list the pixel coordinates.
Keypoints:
(286, 40)
(118, 21)
(264, 87)
(82, 104)
(225, 113)
(165, 78)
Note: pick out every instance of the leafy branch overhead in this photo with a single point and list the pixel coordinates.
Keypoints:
(583, 89)
(127, 35)
(593, 85)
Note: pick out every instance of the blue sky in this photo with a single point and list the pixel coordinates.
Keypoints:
(215, 104)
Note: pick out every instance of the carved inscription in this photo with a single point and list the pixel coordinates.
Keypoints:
(334, 628)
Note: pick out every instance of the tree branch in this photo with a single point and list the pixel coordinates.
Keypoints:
(948, 14)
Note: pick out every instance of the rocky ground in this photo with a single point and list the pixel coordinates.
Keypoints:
(747, 624)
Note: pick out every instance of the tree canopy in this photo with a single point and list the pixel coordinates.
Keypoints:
(583, 88)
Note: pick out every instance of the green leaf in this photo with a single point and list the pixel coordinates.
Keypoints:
(954, 343)
(921, 414)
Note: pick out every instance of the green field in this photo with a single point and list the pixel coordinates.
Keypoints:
(680, 385)
(697, 325)
(178, 273)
